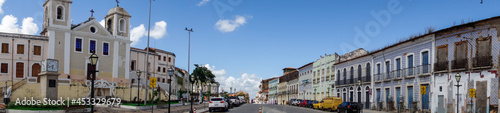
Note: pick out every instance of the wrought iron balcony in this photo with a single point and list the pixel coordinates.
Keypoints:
(482, 62)
(424, 69)
(459, 64)
(409, 72)
(441, 66)
(397, 74)
(366, 79)
(377, 78)
(339, 82)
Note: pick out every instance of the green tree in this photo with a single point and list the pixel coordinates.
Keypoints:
(203, 77)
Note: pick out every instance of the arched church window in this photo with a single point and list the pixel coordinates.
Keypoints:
(59, 12)
(122, 25)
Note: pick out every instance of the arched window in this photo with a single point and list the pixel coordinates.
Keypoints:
(368, 72)
(345, 75)
(60, 12)
(359, 72)
(338, 76)
(122, 25)
(109, 25)
(352, 74)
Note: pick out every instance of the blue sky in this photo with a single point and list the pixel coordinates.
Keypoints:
(246, 40)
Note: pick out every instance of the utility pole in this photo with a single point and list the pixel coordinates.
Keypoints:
(147, 56)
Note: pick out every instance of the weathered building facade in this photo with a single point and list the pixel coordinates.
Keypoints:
(470, 50)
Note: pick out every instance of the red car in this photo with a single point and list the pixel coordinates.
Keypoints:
(303, 103)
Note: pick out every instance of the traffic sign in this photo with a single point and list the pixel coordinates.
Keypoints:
(423, 90)
(472, 92)
(152, 82)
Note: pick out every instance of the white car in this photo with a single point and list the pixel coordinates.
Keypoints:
(218, 103)
(235, 101)
(296, 102)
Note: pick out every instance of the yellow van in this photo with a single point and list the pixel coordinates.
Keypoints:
(318, 105)
(330, 103)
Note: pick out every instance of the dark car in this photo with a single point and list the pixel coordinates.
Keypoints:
(291, 101)
(349, 107)
(311, 102)
(229, 102)
(303, 103)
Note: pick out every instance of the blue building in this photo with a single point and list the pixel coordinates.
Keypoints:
(470, 50)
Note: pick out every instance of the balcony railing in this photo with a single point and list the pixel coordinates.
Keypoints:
(423, 69)
(409, 72)
(459, 64)
(348, 81)
(441, 66)
(387, 76)
(378, 77)
(340, 82)
(397, 74)
(366, 79)
(482, 62)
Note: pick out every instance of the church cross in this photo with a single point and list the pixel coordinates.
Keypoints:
(92, 12)
(117, 3)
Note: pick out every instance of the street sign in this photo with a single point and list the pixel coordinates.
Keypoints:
(472, 92)
(152, 82)
(423, 90)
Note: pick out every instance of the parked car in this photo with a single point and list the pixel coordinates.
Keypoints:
(303, 103)
(235, 101)
(331, 103)
(349, 107)
(296, 102)
(229, 102)
(291, 101)
(318, 105)
(310, 103)
(218, 103)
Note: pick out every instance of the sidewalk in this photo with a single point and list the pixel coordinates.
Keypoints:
(373, 111)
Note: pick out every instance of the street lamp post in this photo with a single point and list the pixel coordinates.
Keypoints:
(170, 73)
(359, 96)
(138, 84)
(93, 61)
(457, 77)
(191, 79)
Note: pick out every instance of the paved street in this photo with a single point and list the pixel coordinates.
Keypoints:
(177, 109)
(266, 108)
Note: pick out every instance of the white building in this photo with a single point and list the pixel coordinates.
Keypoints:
(305, 82)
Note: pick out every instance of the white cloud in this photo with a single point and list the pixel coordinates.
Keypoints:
(9, 24)
(159, 30)
(102, 22)
(203, 2)
(245, 82)
(1, 4)
(136, 33)
(227, 25)
(220, 72)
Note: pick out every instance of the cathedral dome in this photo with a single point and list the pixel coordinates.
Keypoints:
(118, 10)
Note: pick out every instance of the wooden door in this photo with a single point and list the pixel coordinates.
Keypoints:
(19, 70)
(34, 72)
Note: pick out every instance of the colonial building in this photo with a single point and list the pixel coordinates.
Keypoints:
(273, 91)
(470, 50)
(305, 82)
(72, 44)
(353, 78)
(323, 76)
